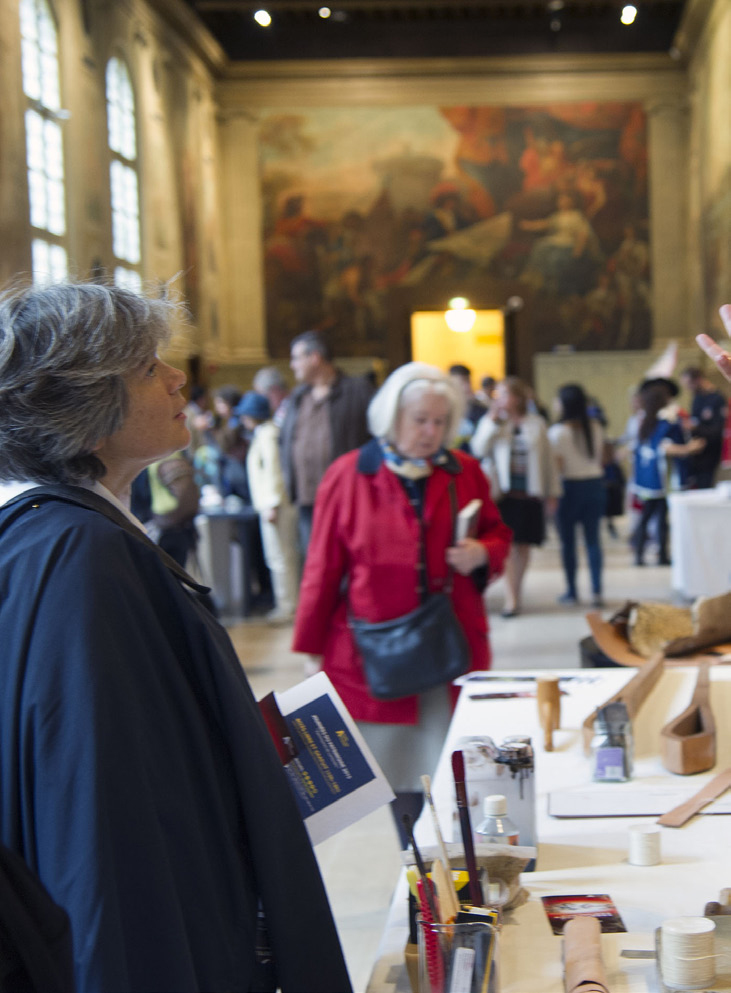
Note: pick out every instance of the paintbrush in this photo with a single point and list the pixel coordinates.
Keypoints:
(452, 893)
(421, 867)
(464, 822)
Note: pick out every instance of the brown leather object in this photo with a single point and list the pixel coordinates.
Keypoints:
(614, 644)
(582, 956)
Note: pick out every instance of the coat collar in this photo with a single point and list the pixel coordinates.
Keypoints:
(370, 460)
(337, 385)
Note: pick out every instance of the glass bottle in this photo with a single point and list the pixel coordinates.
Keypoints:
(496, 828)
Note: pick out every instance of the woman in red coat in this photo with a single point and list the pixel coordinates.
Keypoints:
(364, 556)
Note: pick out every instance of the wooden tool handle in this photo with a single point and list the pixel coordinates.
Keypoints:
(702, 685)
(633, 695)
(684, 811)
(548, 695)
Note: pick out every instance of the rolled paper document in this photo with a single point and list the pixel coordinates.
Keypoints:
(582, 956)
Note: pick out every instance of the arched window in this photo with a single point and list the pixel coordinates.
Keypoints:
(44, 141)
(123, 176)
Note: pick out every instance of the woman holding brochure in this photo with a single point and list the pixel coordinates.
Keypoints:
(372, 508)
(138, 780)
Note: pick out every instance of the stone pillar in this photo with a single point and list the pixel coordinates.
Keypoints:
(243, 329)
(668, 172)
(14, 222)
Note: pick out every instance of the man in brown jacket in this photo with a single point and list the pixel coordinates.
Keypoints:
(326, 417)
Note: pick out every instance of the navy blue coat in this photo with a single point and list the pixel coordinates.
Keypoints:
(138, 780)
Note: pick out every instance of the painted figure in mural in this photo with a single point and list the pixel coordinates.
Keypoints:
(543, 163)
(566, 258)
(291, 258)
(630, 265)
(449, 212)
(600, 313)
(482, 157)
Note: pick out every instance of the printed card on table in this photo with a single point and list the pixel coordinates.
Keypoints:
(560, 909)
(334, 776)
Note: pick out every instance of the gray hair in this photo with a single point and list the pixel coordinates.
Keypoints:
(313, 341)
(65, 350)
(269, 378)
(407, 383)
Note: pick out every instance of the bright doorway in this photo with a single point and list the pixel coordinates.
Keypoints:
(482, 348)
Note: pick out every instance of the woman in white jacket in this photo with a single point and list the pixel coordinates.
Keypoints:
(517, 459)
(277, 516)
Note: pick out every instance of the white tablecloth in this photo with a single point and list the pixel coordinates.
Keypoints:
(589, 855)
(700, 541)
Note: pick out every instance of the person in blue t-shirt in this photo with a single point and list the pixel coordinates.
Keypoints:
(659, 441)
(708, 420)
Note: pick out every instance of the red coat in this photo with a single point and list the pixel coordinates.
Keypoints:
(366, 536)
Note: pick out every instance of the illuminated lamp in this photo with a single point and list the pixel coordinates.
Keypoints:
(460, 317)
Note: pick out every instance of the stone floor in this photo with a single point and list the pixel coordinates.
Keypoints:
(360, 865)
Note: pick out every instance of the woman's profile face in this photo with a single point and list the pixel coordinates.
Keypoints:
(421, 425)
(155, 424)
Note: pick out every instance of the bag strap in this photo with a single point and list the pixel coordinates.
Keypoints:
(83, 497)
(421, 570)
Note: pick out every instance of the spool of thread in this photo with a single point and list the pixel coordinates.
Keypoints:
(644, 844)
(687, 957)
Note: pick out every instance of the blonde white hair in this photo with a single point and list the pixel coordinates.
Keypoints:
(408, 383)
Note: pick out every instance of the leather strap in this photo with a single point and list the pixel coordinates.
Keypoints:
(684, 811)
(423, 575)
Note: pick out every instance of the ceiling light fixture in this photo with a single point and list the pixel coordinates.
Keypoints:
(459, 317)
(628, 14)
(324, 12)
(263, 18)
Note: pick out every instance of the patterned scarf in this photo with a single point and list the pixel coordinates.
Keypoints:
(410, 468)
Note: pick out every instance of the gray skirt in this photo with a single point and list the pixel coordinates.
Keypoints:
(406, 752)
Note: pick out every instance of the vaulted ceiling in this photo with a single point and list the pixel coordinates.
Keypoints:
(436, 28)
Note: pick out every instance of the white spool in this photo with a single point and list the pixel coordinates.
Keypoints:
(644, 844)
(687, 957)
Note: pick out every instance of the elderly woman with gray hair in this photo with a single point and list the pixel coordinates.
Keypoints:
(372, 508)
(138, 780)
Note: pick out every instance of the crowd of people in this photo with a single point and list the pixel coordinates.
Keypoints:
(144, 805)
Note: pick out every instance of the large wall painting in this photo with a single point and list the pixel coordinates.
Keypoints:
(370, 213)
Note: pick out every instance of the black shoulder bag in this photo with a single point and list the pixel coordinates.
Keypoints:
(419, 650)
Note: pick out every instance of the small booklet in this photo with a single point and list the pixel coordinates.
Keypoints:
(333, 774)
(560, 909)
(466, 520)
